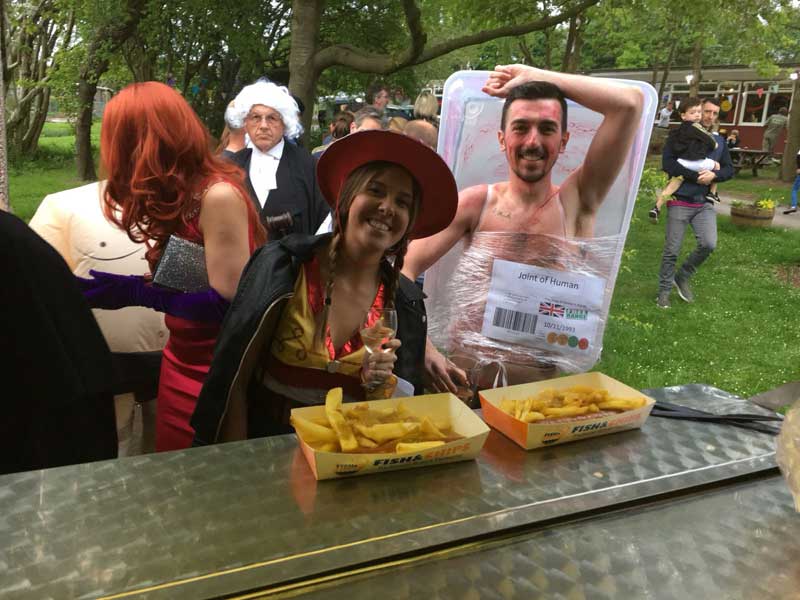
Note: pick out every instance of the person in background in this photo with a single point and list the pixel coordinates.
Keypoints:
(233, 138)
(378, 97)
(689, 206)
(664, 115)
(73, 222)
(164, 182)
(365, 119)
(58, 404)
(426, 107)
(399, 97)
(423, 131)
(397, 124)
(274, 355)
(773, 127)
(733, 139)
(280, 176)
(795, 188)
(322, 115)
(339, 127)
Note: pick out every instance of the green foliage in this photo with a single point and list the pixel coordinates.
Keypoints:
(64, 81)
(633, 56)
(52, 170)
(653, 180)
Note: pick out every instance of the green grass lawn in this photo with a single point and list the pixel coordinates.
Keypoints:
(741, 334)
(53, 169)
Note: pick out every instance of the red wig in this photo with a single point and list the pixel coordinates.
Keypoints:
(156, 155)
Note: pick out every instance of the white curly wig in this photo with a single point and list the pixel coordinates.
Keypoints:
(267, 93)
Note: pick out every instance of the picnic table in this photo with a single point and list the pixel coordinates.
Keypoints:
(746, 157)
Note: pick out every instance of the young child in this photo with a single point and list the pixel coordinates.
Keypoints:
(692, 143)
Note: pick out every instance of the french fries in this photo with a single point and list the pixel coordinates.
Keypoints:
(358, 428)
(333, 410)
(575, 401)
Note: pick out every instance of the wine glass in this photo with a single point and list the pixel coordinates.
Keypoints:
(376, 335)
(381, 331)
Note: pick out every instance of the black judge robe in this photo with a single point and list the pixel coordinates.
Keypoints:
(297, 192)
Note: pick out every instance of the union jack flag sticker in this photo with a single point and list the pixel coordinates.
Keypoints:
(550, 309)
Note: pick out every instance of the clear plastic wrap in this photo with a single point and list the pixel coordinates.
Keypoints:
(537, 304)
(788, 451)
(532, 305)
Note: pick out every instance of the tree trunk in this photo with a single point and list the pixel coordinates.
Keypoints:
(33, 42)
(107, 39)
(577, 45)
(569, 48)
(526, 52)
(789, 164)
(667, 68)
(4, 203)
(31, 140)
(697, 63)
(87, 88)
(303, 76)
(548, 49)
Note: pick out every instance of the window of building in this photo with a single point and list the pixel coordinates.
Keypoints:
(754, 103)
(762, 99)
(780, 96)
(708, 88)
(728, 96)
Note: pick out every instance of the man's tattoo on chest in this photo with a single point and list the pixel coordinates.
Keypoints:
(500, 213)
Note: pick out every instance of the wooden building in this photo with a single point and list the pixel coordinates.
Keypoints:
(746, 99)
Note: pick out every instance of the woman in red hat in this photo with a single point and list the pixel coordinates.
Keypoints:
(293, 329)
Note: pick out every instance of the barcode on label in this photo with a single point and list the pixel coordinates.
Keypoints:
(514, 320)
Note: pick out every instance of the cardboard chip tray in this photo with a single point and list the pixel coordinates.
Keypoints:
(537, 435)
(464, 422)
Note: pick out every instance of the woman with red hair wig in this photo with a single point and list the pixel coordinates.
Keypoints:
(163, 181)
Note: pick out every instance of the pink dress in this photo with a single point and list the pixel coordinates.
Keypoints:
(186, 361)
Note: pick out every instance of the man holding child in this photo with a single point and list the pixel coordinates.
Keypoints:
(691, 204)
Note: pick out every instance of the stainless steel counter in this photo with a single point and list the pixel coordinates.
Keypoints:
(737, 542)
(248, 516)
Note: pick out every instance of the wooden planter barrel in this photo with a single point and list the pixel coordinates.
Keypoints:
(752, 216)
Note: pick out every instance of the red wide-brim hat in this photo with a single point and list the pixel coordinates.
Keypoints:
(439, 195)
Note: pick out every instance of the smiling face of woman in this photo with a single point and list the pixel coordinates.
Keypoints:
(381, 212)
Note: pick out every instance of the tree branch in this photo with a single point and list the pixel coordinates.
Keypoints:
(418, 36)
(526, 51)
(372, 62)
(279, 24)
(511, 30)
(383, 64)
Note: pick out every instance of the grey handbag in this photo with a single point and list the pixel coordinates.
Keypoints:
(182, 266)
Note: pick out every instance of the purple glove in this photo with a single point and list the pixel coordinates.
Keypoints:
(111, 291)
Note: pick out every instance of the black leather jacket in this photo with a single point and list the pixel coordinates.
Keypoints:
(267, 283)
